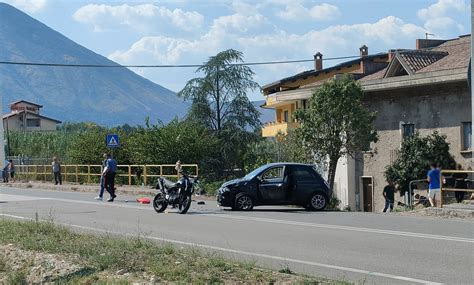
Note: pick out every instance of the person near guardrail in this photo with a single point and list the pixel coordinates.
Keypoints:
(102, 179)
(109, 174)
(11, 169)
(5, 171)
(460, 183)
(433, 177)
(56, 168)
(389, 195)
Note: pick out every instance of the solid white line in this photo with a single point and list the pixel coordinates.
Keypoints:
(348, 228)
(251, 254)
(284, 222)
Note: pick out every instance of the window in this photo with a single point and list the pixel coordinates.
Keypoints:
(274, 174)
(408, 130)
(303, 173)
(33, 123)
(304, 104)
(466, 136)
(285, 116)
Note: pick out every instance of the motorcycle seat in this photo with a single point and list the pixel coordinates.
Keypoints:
(168, 183)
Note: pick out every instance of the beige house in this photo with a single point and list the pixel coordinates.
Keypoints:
(419, 90)
(26, 116)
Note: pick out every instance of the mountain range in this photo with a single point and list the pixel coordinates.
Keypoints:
(107, 96)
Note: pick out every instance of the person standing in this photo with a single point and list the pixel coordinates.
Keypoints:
(460, 183)
(56, 167)
(389, 195)
(102, 179)
(5, 171)
(109, 174)
(11, 169)
(434, 177)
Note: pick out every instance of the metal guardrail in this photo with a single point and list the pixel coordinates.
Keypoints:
(447, 189)
(84, 172)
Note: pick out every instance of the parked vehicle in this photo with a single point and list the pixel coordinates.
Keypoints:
(276, 184)
(178, 194)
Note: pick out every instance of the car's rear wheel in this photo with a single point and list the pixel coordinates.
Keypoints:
(243, 202)
(318, 202)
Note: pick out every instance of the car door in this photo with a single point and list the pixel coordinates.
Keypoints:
(273, 185)
(304, 180)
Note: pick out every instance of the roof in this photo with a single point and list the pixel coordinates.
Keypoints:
(24, 101)
(450, 55)
(30, 113)
(313, 72)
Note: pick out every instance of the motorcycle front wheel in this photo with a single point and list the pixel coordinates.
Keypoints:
(184, 204)
(159, 203)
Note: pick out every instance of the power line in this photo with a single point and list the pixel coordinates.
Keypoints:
(200, 65)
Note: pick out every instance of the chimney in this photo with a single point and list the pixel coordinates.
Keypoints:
(318, 61)
(364, 51)
(428, 43)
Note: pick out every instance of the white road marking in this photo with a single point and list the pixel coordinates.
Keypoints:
(339, 227)
(17, 198)
(251, 254)
(284, 222)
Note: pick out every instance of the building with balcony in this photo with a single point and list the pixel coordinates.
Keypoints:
(418, 90)
(26, 116)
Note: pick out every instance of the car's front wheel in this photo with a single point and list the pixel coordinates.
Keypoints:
(318, 202)
(243, 202)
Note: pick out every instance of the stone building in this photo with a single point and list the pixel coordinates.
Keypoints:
(26, 116)
(422, 90)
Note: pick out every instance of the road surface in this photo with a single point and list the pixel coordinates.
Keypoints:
(361, 247)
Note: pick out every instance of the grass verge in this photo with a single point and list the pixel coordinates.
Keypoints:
(104, 259)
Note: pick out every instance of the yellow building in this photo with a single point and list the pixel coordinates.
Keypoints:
(289, 94)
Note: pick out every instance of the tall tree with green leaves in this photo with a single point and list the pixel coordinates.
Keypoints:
(219, 97)
(336, 123)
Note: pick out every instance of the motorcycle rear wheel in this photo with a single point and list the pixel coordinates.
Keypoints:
(159, 203)
(184, 204)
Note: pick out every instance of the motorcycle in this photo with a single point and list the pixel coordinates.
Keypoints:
(178, 194)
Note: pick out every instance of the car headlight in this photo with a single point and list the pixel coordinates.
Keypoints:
(223, 190)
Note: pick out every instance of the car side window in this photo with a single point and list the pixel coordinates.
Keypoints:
(303, 173)
(275, 174)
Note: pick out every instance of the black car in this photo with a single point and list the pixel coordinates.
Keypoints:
(276, 184)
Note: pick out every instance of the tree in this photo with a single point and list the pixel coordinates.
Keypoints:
(336, 123)
(219, 98)
(414, 159)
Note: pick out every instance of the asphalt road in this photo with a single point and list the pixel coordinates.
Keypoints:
(361, 247)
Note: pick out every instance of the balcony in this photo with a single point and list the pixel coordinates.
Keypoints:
(271, 129)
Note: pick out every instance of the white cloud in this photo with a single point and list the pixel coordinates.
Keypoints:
(143, 17)
(31, 6)
(441, 18)
(321, 12)
(388, 32)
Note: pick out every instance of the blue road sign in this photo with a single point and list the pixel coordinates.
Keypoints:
(112, 140)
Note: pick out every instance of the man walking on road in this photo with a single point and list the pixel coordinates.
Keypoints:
(434, 177)
(102, 179)
(389, 195)
(109, 175)
(56, 166)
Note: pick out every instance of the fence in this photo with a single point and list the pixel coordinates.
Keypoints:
(86, 173)
(450, 188)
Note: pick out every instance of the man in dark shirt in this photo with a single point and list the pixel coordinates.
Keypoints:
(389, 195)
(109, 174)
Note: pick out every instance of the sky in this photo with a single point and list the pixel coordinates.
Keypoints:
(190, 31)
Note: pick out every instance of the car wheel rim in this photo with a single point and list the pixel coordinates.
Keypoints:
(245, 203)
(318, 201)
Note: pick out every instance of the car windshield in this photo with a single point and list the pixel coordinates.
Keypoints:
(255, 172)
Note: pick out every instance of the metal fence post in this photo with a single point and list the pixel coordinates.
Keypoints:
(129, 175)
(88, 174)
(144, 175)
(77, 174)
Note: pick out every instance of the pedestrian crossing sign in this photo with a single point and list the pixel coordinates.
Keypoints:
(112, 140)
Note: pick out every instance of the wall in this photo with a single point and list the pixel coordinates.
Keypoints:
(345, 182)
(430, 108)
(15, 123)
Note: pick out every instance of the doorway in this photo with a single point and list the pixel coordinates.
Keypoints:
(368, 193)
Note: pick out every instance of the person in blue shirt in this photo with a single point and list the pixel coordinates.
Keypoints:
(109, 174)
(434, 181)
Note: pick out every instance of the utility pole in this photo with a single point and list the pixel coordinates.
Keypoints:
(2, 135)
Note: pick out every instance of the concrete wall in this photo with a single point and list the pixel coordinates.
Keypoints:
(430, 108)
(345, 182)
(16, 123)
